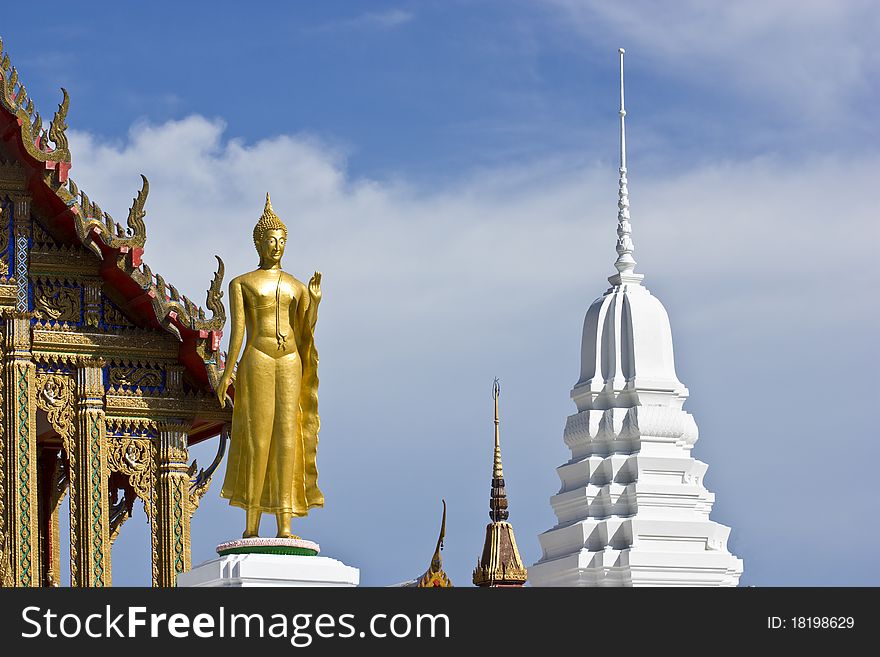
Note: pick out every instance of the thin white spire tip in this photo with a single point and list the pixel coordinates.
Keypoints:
(625, 262)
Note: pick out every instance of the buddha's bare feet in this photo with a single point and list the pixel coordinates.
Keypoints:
(286, 535)
(250, 535)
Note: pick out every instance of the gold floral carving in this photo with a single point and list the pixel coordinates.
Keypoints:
(4, 247)
(58, 303)
(13, 176)
(41, 237)
(137, 404)
(129, 425)
(134, 457)
(114, 317)
(135, 377)
(122, 344)
(62, 261)
(7, 294)
(56, 396)
(7, 579)
(196, 493)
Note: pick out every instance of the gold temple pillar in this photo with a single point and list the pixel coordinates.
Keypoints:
(21, 513)
(90, 520)
(172, 522)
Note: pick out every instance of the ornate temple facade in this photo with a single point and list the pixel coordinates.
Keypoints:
(106, 370)
(633, 509)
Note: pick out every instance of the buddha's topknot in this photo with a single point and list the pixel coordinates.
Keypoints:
(268, 221)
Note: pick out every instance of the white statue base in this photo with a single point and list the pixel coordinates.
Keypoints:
(270, 562)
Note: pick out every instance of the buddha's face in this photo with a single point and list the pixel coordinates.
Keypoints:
(271, 247)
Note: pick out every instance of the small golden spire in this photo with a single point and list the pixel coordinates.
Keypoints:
(497, 472)
(500, 563)
(498, 498)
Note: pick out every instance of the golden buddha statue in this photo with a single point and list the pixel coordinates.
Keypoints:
(271, 466)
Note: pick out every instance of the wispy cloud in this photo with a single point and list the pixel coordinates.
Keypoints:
(814, 59)
(385, 19)
(378, 20)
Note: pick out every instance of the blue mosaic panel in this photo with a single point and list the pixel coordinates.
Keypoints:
(22, 302)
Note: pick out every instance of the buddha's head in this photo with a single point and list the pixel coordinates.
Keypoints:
(270, 237)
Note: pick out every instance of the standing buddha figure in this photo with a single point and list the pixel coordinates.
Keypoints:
(271, 466)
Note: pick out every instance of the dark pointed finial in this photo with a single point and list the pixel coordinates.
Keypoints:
(498, 497)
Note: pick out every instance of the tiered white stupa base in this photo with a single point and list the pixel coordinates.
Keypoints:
(636, 567)
(633, 510)
(259, 569)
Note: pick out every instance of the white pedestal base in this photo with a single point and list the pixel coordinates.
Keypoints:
(239, 570)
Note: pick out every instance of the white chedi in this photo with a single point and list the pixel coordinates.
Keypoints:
(632, 509)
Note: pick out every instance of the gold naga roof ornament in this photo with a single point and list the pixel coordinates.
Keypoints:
(435, 576)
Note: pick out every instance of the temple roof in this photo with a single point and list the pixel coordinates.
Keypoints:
(149, 301)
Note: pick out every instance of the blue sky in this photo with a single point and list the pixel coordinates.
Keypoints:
(451, 168)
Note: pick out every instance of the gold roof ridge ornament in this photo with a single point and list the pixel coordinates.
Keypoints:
(435, 576)
(500, 564)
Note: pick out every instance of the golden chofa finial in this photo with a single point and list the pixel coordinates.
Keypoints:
(268, 221)
(435, 575)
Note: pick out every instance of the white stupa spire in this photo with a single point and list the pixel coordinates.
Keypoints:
(625, 263)
(633, 509)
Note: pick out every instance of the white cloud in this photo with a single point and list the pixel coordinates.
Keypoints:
(813, 58)
(390, 18)
(539, 233)
(763, 264)
(371, 20)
